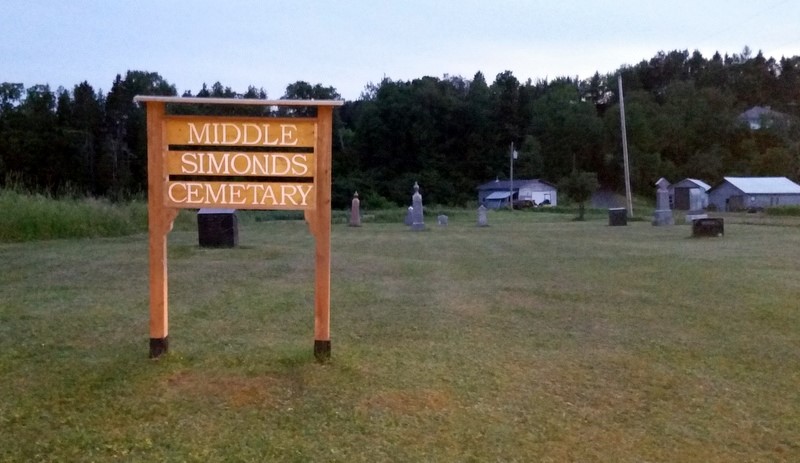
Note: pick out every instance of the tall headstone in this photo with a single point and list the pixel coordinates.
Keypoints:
(483, 221)
(663, 213)
(355, 211)
(416, 200)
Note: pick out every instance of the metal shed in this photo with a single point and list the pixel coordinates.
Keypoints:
(689, 194)
(747, 193)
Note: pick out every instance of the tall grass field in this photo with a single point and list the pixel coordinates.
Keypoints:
(537, 338)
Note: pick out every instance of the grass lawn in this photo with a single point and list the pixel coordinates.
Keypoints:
(535, 339)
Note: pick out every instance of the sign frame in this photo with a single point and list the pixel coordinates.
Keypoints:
(317, 212)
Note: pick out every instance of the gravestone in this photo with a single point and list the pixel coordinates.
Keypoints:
(355, 211)
(217, 228)
(409, 216)
(663, 213)
(698, 201)
(442, 220)
(483, 221)
(417, 223)
(617, 216)
(708, 227)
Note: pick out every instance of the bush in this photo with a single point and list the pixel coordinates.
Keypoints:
(783, 211)
(28, 217)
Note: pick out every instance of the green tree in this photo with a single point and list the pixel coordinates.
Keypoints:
(80, 115)
(122, 167)
(302, 90)
(479, 162)
(579, 187)
(10, 96)
(10, 100)
(568, 131)
(34, 145)
(777, 161)
(507, 117)
(530, 162)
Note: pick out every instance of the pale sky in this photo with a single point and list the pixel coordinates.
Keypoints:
(351, 43)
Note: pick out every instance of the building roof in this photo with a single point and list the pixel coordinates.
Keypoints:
(506, 184)
(756, 112)
(691, 183)
(764, 185)
(755, 115)
(498, 195)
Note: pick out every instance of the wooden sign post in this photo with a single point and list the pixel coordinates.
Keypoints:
(287, 162)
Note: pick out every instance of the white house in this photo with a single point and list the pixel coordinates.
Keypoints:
(761, 116)
(496, 194)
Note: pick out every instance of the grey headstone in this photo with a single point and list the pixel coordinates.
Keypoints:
(483, 221)
(417, 222)
(662, 199)
(698, 199)
(355, 212)
(662, 214)
(661, 218)
(442, 220)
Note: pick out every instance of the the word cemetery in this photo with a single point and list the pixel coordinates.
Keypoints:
(196, 162)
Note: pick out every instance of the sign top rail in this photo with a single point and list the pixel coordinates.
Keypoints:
(235, 101)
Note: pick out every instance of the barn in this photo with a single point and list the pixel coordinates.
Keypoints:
(689, 194)
(495, 194)
(747, 193)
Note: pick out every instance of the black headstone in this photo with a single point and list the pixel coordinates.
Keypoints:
(217, 228)
(708, 227)
(617, 217)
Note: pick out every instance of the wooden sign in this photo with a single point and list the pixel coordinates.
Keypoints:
(241, 163)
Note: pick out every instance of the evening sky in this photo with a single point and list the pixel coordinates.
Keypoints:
(351, 43)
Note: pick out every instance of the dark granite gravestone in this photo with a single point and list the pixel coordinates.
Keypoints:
(617, 216)
(217, 228)
(708, 227)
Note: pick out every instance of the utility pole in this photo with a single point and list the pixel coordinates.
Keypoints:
(512, 155)
(625, 149)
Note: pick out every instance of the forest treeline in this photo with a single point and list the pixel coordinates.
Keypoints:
(450, 134)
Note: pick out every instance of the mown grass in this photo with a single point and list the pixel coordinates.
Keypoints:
(29, 216)
(535, 339)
